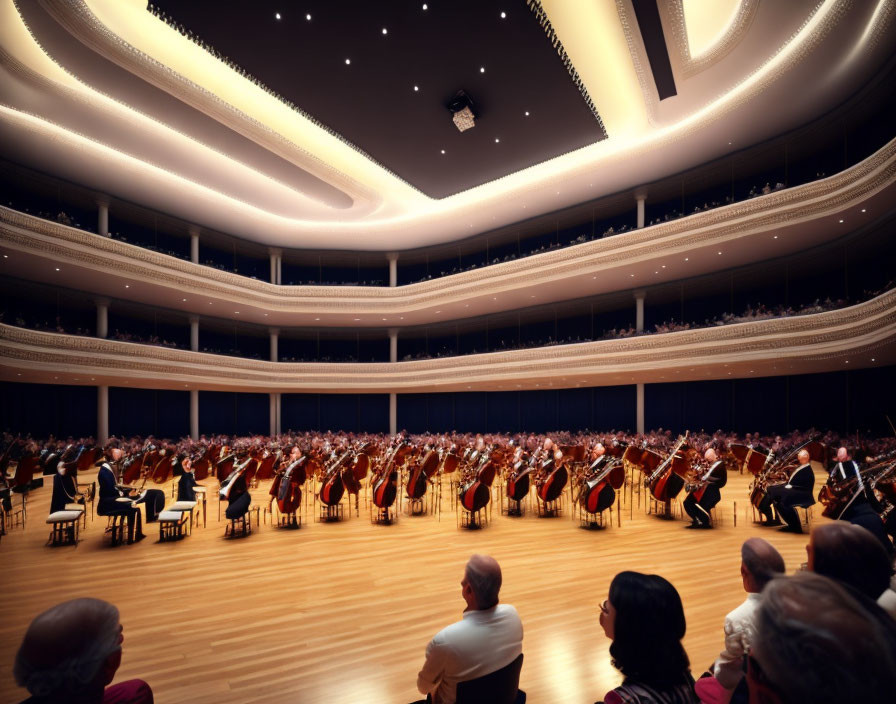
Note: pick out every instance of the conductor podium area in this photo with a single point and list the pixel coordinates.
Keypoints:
(342, 611)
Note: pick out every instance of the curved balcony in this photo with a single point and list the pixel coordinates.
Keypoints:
(862, 335)
(768, 226)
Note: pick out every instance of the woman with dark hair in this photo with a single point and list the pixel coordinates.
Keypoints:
(644, 618)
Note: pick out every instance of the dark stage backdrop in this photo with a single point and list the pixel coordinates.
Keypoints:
(857, 400)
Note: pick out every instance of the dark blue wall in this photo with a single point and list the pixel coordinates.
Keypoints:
(159, 412)
(43, 409)
(350, 412)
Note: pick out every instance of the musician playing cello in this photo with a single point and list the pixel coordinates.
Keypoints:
(858, 509)
(108, 504)
(797, 491)
(701, 501)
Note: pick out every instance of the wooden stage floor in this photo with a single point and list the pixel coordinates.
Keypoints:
(342, 612)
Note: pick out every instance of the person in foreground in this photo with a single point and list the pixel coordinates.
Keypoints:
(760, 563)
(489, 637)
(644, 618)
(817, 643)
(71, 652)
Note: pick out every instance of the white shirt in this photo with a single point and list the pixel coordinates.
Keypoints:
(887, 601)
(481, 643)
(739, 632)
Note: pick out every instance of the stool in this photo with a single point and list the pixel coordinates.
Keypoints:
(64, 527)
(201, 492)
(115, 526)
(80, 509)
(550, 509)
(184, 507)
(241, 526)
(171, 524)
(256, 509)
(807, 512)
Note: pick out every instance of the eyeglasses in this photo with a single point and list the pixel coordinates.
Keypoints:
(605, 607)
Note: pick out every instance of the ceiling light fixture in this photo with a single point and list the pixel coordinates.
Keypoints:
(347, 62)
(416, 88)
(863, 210)
(497, 140)
(461, 107)
(385, 31)
(57, 268)
(443, 151)
(277, 15)
(841, 221)
(482, 69)
(308, 17)
(503, 15)
(425, 6)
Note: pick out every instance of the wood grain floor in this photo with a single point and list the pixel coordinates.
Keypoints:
(342, 612)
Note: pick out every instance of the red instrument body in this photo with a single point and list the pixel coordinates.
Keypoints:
(161, 473)
(333, 488)
(418, 478)
(450, 464)
(519, 481)
(666, 477)
(599, 491)
(289, 491)
(552, 485)
(202, 467)
(361, 466)
(476, 493)
(266, 466)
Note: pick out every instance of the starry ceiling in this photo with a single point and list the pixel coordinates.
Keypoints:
(381, 74)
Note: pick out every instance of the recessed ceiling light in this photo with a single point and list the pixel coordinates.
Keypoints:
(482, 69)
(185, 300)
(383, 318)
(6, 256)
(729, 143)
(347, 62)
(497, 140)
(277, 15)
(863, 210)
(57, 268)
(527, 113)
(236, 312)
(841, 220)
(503, 15)
(443, 151)
(357, 318)
(632, 275)
(127, 285)
(385, 31)
(686, 259)
(872, 359)
(308, 17)
(438, 311)
(265, 315)
(775, 237)
(664, 266)
(425, 6)
(317, 318)
(416, 88)
(719, 252)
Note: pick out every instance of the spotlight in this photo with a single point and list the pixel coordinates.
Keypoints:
(461, 106)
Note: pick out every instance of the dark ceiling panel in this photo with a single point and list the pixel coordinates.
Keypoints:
(371, 102)
(655, 44)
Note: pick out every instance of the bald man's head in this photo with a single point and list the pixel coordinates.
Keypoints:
(803, 457)
(483, 578)
(66, 648)
(842, 454)
(761, 562)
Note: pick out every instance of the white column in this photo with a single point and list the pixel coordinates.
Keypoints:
(393, 268)
(640, 198)
(274, 337)
(274, 414)
(393, 414)
(102, 414)
(194, 244)
(393, 344)
(194, 333)
(275, 265)
(279, 424)
(102, 221)
(639, 408)
(639, 310)
(194, 414)
(279, 269)
(393, 398)
(102, 317)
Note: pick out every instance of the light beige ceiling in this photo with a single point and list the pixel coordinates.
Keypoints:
(777, 65)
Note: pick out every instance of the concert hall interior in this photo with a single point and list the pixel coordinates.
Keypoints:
(325, 297)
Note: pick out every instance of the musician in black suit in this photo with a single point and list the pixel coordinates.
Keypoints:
(187, 482)
(64, 490)
(798, 491)
(715, 477)
(858, 508)
(109, 505)
(235, 490)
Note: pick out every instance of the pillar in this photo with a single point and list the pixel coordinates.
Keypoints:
(102, 221)
(274, 338)
(102, 414)
(194, 244)
(194, 333)
(102, 317)
(639, 311)
(194, 414)
(393, 357)
(276, 266)
(639, 408)
(393, 268)
(393, 344)
(274, 414)
(641, 199)
(393, 414)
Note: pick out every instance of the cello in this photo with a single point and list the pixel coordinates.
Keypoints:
(383, 486)
(605, 476)
(332, 487)
(288, 485)
(552, 480)
(519, 481)
(421, 474)
(474, 491)
(669, 475)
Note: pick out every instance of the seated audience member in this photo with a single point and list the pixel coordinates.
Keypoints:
(489, 637)
(852, 556)
(644, 618)
(71, 652)
(760, 562)
(817, 643)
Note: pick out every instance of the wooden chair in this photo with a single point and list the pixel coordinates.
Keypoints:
(64, 527)
(498, 687)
